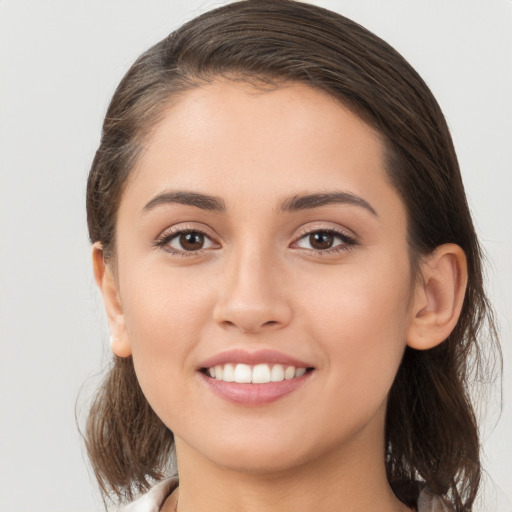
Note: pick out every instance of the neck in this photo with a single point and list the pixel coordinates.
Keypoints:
(352, 479)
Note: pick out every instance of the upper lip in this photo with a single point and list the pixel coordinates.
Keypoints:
(237, 355)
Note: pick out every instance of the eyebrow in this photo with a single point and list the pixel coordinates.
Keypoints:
(307, 201)
(202, 201)
(294, 203)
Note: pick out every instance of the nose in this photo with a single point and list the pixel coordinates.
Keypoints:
(252, 295)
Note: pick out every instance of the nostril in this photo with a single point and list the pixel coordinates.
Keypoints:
(228, 323)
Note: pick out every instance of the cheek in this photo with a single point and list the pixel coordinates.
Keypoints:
(165, 313)
(361, 322)
(162, 302)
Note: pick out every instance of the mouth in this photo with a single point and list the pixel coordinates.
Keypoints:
(254, 377)
(262, 373)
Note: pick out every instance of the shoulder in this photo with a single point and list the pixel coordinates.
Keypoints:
(153, 500)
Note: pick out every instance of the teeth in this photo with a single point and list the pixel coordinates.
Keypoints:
(277, 374)
(258, 374)
(299, 372)
(228, 373)
(219, 372)
(243, 373)
(261, 374)
(289, 373)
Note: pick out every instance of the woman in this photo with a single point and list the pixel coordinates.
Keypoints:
(290, 272)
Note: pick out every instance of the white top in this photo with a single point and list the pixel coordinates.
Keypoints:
(154, 499)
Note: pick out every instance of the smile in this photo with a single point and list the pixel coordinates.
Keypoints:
(254, 378)
(257, 374)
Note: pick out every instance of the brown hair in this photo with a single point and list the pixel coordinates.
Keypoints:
(431, 430)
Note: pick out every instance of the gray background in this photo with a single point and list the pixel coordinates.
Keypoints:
(60, 61)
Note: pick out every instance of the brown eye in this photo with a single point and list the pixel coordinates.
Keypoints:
(321, 240)
(187, 241)
(325, 241)
(192, 241)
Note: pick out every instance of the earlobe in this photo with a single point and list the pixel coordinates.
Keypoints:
(107, 284)
(438, 298)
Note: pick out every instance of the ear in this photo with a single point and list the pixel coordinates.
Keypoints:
(438, 297)
(107, 284)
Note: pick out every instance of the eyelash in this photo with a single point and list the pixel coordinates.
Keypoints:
(169, 235)
(347, 241)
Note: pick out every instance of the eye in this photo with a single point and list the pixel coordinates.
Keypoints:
(325, 240)
(185, 241)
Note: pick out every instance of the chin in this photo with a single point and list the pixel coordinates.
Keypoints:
(248, 454)
(258, 462)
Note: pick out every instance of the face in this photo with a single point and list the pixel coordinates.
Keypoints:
(260, 240)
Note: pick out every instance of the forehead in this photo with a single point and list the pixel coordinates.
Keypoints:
(244, 143)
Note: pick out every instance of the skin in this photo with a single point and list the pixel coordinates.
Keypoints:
(258, 283)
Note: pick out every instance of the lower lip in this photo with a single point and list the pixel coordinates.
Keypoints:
(254, 394)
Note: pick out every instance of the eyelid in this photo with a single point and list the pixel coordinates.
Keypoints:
(168, 234)
(348, 237)
(325, 226)
(187, 226)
